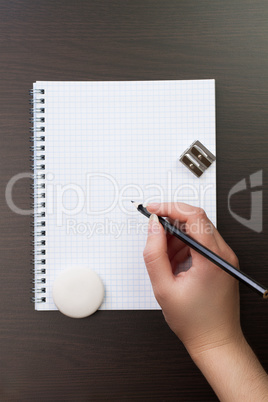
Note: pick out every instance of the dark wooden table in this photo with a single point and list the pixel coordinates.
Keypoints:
(127, 355)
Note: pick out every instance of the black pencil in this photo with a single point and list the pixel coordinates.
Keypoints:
(210, 255)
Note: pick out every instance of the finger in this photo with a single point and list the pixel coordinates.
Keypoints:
(155, 255)
(219, 244)
(220, 241)
(195, 220)
(174, 210)
(179, 258)
(173, 246)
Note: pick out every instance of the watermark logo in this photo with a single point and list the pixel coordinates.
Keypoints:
(98, 194)
(255, 222)
(72, 199)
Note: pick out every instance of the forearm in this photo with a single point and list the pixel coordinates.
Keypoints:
(201, 304)
(233, 371)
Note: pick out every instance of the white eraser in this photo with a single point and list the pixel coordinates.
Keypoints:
(78, 292)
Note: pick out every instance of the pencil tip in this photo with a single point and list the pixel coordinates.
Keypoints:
(135, 204)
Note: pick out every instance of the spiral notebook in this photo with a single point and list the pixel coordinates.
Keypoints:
(96, 146)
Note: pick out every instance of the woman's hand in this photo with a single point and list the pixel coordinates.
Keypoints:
(201, 305)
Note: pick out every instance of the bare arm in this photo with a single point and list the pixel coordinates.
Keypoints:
(201, 305)
(233, 371)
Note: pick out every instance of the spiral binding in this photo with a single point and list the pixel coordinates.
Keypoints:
(38, 186)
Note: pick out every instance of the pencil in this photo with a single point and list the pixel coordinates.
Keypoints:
(210, 255)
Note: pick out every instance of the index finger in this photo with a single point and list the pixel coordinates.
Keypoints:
(196, 222)
(176, 211)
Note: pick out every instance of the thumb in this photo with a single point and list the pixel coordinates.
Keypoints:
(156, 257)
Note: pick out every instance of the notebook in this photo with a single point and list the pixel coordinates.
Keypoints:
(97, 146)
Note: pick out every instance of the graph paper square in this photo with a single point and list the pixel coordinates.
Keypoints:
(105, 144)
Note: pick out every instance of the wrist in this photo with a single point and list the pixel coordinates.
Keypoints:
(232, 369)
(202, 346)
(225, 345)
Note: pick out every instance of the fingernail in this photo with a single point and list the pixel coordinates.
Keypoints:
(153, 227)
(153, 218)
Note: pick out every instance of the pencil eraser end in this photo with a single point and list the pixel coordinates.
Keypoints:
(78, 292)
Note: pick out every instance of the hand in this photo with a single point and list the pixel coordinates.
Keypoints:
(201, 305)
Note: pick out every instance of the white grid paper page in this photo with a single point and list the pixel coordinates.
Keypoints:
(106, 141)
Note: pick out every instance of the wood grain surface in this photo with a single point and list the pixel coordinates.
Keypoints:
(126, 355)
